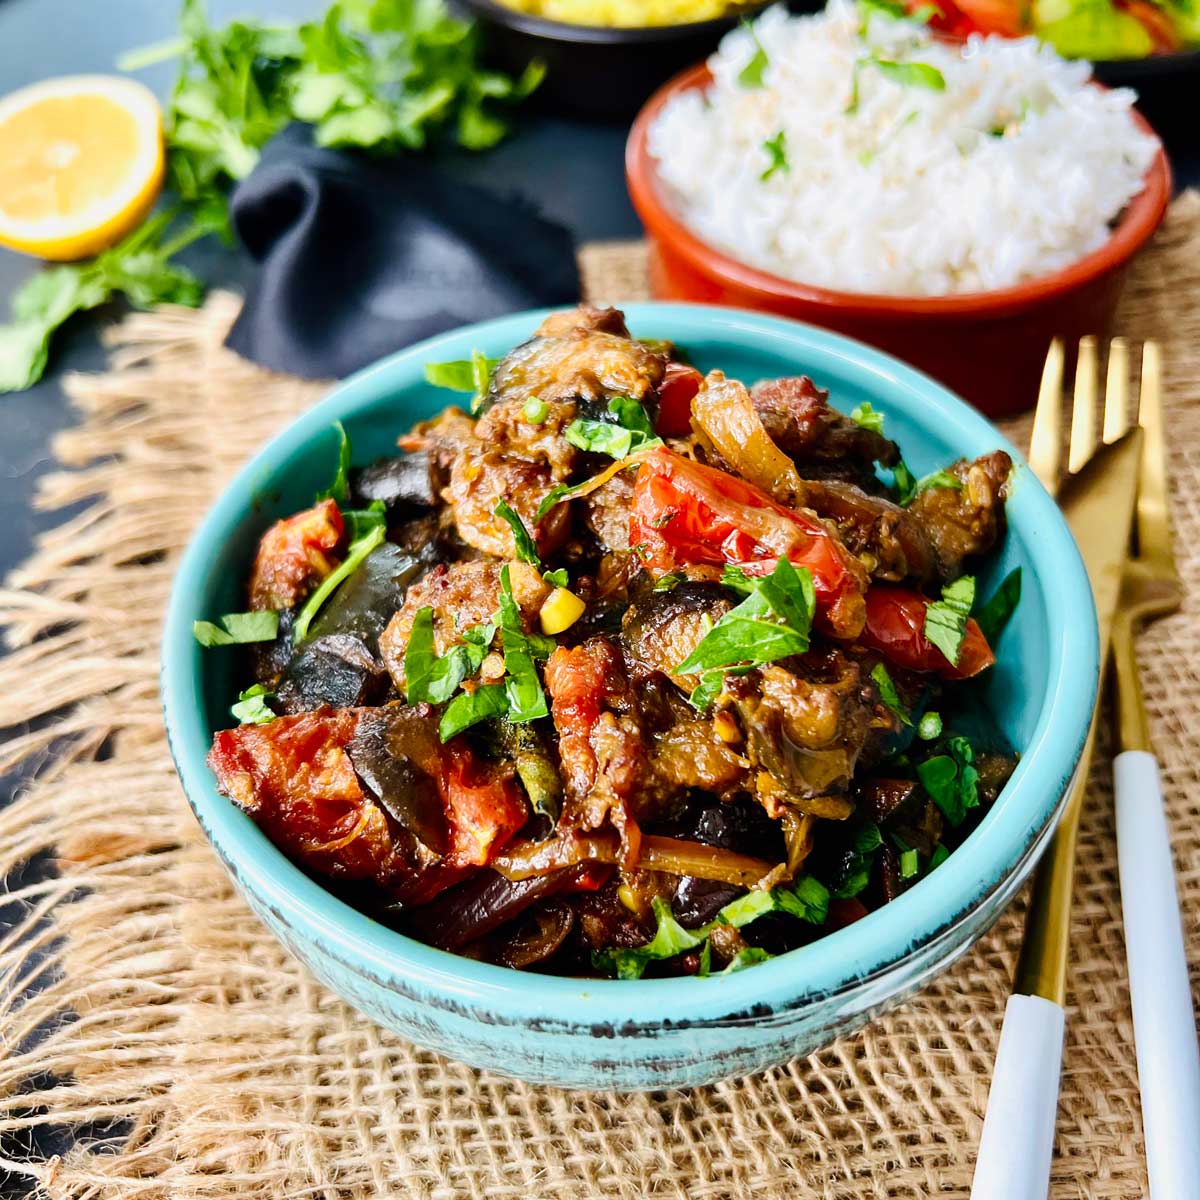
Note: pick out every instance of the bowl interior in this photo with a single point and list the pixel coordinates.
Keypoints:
(1040, 693)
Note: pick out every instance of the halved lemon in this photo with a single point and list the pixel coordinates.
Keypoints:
(81, 163)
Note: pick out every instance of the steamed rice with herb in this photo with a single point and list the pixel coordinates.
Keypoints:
(852, 150)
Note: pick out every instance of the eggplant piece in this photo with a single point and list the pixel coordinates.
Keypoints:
(364, 604)
(481, 905)
(739, 825)
(538, 936)
(271, 658)
(661, 629)
(881, 799)
(403, 484)
(338, 671)
(385, 752)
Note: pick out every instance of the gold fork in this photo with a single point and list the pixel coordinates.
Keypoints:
(1163, 1019)
(1098, 500)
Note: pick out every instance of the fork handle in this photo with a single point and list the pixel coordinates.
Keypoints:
(1018, 1131)
(1164, 1023)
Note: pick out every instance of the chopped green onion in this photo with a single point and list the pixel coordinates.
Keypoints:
(751, 75)
(910, 864)
(868, 417)
(929, 727)
(535, 410)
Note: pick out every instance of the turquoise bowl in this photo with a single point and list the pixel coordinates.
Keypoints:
(663, 1033)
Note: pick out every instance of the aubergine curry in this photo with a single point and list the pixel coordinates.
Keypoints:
(628, 670)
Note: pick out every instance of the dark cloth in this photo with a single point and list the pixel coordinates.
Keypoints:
(360, 257)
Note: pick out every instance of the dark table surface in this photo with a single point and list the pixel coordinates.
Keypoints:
(572, 170)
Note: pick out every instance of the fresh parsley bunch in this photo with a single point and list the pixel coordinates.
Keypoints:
(382, 75)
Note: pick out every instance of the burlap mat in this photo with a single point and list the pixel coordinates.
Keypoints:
(151, 1015)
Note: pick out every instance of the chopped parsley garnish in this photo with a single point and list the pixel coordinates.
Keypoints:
(857, 871)
(526, 548)
(946, 619)
(807, 900)
(465, 375)
(631, 432)
(908, 74)
(433, 678)
(361, 521)
(523, 689)
(469, 708)
(751, 75)
(888, 693)
(994, 615)
(339, 489)
(557, 578)
(777, 158)
(252, 707)
(952, 780)
(772, 622)
(929, 727)
(355, 557)
(237, 629)
(868, 417)
(909, 487)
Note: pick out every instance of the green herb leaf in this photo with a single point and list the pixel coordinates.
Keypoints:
(559, 578)
(666, 583)
(339, 489)
(526, 547)
(356, 555)
(564, 491)
(237, 629)
(773, 622)
(751, 956)
(670, 938)
(994, 615)
(419, 656)
(632, 432)
(868, 418)
(469, 708)
(905, 483)
(911, 74)
(939, 479)
(939, 856)
(952, 780)
(361, 521)
(930, 727)
(707, 690)
(777, 158)
(888, 693)
(434, 679)
(857, 871)
(526, 700)
(751, 75)
(252, 707)
(884, 8)
(946, 619)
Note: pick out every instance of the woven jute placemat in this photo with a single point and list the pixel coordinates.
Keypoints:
(147, 1013)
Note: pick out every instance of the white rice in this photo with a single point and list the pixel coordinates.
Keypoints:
(913, 193)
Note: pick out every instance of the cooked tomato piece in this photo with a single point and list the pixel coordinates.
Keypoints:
(994, 16)
(675, 395)
(686, 512)
(294, 555)
(846, 912)
(296, 779)
(896, 628)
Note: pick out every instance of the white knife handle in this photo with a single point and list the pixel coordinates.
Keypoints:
(1164, 1024)
(1018, 1131)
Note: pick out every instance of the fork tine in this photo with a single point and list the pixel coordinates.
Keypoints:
(1116, 390)
(1153, 528)
(1045, 443)
(1083, 411)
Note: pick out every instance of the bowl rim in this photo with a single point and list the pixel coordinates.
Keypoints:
(565, 31)
(842, 960)
(1137, 223)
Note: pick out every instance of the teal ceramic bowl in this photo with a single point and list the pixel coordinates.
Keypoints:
(664, 1033)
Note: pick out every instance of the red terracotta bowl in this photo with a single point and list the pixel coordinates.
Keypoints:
(987, 346)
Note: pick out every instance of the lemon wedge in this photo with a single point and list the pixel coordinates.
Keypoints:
(81, 164)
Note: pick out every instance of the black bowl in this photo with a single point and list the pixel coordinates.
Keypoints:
(594, 71)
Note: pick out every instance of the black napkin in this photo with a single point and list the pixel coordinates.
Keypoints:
(360, 257)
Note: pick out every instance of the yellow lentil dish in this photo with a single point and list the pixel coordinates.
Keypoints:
(627, 14)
